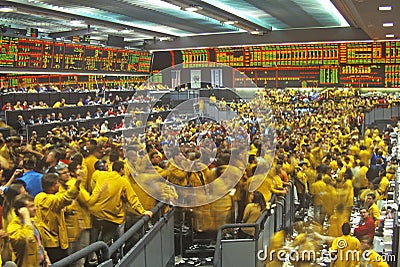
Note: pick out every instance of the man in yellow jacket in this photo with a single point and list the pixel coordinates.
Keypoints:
(373, 209)
(50, 206)
(317, 190)
(95, 152)
(77, 217)
(24, 237)
(368, 256)
(110, 207)
(345, 249)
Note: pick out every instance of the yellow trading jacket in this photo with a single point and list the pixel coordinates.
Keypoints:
(24, 243)
(110, 205)
(375, 260)
(374, 212)
(50, 216)
(343, 245)
(148, 202)
(77, 216)
(88, 164)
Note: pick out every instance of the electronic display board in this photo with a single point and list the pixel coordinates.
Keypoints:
(392, 75)
(365, 64)
(362, 75)
(328, 75)
(34, 54)
(392, 50)
(9, 51)
(92, 59)
(72, 80)
(297, 54)
(194, 58)
(231, 56)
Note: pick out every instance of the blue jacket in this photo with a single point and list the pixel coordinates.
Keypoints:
(33, 182)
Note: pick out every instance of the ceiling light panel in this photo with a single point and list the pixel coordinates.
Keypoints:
(229, 22)
(385, 8)
(388, 24)
(77, 22)
(6, 9)
(192, 8)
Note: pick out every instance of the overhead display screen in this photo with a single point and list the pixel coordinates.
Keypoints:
(24, 53)
(359, 64)
(309, 54)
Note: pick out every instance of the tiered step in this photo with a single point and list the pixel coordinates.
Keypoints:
(201, 248)
(199, 252)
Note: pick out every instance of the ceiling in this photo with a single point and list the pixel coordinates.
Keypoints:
(174, 24)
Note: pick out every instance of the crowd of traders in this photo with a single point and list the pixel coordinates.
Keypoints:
(81, 188)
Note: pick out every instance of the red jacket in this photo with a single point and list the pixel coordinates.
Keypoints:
(366, 227)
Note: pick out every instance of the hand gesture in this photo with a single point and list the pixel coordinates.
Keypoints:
(47, 260)
(3, 234)
(79, 178)
(80, 173)
(24, 213)
(149, 213)
(17, 173)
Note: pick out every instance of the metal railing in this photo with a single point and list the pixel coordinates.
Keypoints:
(280, 216)
(381, 113)
(99, 245)
(107, 251)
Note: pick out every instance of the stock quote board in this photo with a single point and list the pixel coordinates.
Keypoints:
(357, 64)
(34, 54)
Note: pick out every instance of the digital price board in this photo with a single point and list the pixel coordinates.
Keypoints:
(392, 75)
(328, 75)
(366, 64)
(195, 58)
(9, 51)
(392, 52)
(233, 57)
(295, 54)
(362, 75)
(73, 80)
(33, 54)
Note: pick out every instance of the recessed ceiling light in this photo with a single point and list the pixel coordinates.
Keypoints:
(166, 39)
(127, 31)
(385, 8)
(256, 32)
(77, 22)
(7, 9)
(388, 24)
(112, 31)
(391, 35)
(193, 8)
(230, 22)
